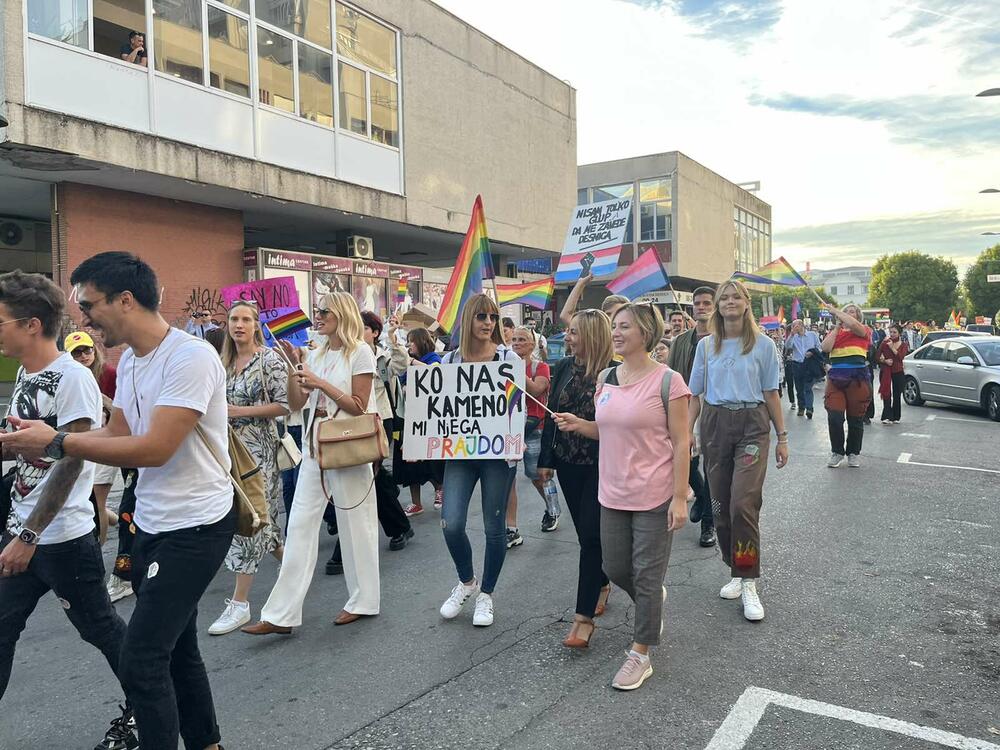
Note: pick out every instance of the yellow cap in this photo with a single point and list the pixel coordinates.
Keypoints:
(76, 340)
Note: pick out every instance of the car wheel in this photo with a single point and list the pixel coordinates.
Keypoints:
(911, 392)
(992, 402)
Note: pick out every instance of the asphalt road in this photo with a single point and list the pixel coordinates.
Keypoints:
(881, 586)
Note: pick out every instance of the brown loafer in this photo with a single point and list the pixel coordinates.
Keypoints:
(265, 628)
(346, 618)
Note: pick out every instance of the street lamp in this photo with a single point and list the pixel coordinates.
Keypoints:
(989, 92)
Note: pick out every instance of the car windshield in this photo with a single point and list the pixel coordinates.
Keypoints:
(990, 352)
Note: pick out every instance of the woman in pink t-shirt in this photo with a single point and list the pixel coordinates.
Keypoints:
(644, 464)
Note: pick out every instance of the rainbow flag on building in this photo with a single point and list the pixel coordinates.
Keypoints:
(288, 324)
(473, 266)
(536, 294)
(777, 271)
(646, 274)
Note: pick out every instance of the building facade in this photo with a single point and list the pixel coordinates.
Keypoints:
(847, 284)
(357, 130)
(703, 226)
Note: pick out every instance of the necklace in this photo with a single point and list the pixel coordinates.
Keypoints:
(135, 391)
(626, 377)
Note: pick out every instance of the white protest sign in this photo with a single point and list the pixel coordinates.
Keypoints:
(594, 239)
(460, 411)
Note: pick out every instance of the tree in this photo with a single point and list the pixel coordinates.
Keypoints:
(984, 296)
(783, 296)
(914, 286)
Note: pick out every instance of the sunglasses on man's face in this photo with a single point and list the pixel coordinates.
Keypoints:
(82, 351)
(482, 317)
(201, 315)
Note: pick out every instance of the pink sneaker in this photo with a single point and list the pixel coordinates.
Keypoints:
(438, 499)
(633, 673)
(413, 509)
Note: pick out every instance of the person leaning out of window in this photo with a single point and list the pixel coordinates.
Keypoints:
(135, 51)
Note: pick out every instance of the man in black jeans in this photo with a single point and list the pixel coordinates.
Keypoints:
(169, 384)
(52, 544)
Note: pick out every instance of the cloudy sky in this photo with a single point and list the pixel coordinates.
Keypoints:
(859, 117)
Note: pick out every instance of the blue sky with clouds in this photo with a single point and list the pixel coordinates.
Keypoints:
(858, 117)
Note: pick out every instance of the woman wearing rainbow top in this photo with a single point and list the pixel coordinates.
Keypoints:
(848, 387)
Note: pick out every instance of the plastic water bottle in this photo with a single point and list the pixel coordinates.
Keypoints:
(551, 498)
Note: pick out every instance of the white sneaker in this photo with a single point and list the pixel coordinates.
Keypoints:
(459, 596)
(732, 590)
(235, 615)
(483, 617)
(835, 460)
(854, 460)
(119, 589)
(753, 610)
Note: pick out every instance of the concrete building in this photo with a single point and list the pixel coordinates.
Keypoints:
(361, 131)
(703, 226)
(847, 284)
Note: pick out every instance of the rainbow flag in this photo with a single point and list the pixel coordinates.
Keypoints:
(402, 289)
(288, 324)
(513, 394)
(781, 315)
(796, 308)
(535, 294)
(474, 264)
(777, 271)
(646, 274)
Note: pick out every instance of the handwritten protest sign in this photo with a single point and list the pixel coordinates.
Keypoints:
(463, 411)
(594, 238)
(269, 294)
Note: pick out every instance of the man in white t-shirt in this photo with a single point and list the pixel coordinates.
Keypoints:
(169, 383)
(49, 542)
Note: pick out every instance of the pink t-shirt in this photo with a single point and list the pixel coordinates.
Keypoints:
(636, 455)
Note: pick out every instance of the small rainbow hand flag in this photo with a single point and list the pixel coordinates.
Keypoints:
(402, 290)
(535, 294)
(288, 324)
(513, 394)
(777, 271)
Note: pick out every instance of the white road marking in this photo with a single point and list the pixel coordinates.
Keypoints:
(907, 458)
(959, 419)
(932, 417)
(914, 434)
(744, 716)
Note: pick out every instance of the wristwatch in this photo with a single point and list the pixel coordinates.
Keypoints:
(54, 450)
(28, 536)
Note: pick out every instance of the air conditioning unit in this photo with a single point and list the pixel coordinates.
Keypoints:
(360, 247)
(17, 235)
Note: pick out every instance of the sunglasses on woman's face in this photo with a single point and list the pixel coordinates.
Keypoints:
(82, 351)
(319, 312)
(482, 317)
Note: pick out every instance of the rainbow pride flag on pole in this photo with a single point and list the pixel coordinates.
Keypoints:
(646, 274)
(474, 264)
(777, 271)
(536, 294)
(402, 289)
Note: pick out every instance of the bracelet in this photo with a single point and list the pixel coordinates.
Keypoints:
(782, 434)
(783, 442)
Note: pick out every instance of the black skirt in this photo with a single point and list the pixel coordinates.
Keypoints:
(414, 472)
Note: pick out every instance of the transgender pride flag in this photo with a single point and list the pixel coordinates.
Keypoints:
(646, 274)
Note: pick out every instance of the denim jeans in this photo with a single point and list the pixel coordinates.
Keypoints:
(161, 668)
(74, 572)
(495, 479)
(803, 385)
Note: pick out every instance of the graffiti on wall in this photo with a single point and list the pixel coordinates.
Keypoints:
(204, 298)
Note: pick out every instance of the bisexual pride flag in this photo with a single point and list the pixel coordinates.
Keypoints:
(646, 274)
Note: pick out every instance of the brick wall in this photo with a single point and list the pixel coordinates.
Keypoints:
(194, 249)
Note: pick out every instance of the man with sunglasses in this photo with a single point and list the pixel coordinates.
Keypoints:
(200, 323)
(50, 542)
(170, 421)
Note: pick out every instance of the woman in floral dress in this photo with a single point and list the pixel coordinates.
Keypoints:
(257, 392)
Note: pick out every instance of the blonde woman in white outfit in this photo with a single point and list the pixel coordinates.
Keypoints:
(334, 380)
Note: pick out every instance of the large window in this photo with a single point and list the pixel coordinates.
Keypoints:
(308, 19)
(365, 41)
(65, 21)
(228, 52)
(315, 85)
(114, 20)
(275, 71)
(752, 240)
(385, 111)
(178, 39)
(353, 110)
(654, 210)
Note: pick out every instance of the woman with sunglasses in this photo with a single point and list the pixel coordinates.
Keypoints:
(333, 380)
(574, 458)
(257, 393)
(82, 348)
(480, 341)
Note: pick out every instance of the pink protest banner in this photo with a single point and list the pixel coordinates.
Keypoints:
(269, 294)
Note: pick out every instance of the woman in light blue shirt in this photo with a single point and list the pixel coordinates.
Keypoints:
(736, 373)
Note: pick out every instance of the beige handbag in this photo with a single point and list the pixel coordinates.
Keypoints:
(350, 441)
(288, 454)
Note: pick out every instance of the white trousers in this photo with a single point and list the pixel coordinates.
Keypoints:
(358, 529)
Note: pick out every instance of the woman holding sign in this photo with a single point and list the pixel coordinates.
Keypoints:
(334, 378)
(574, 457)
(480, 338)
(641, 420)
